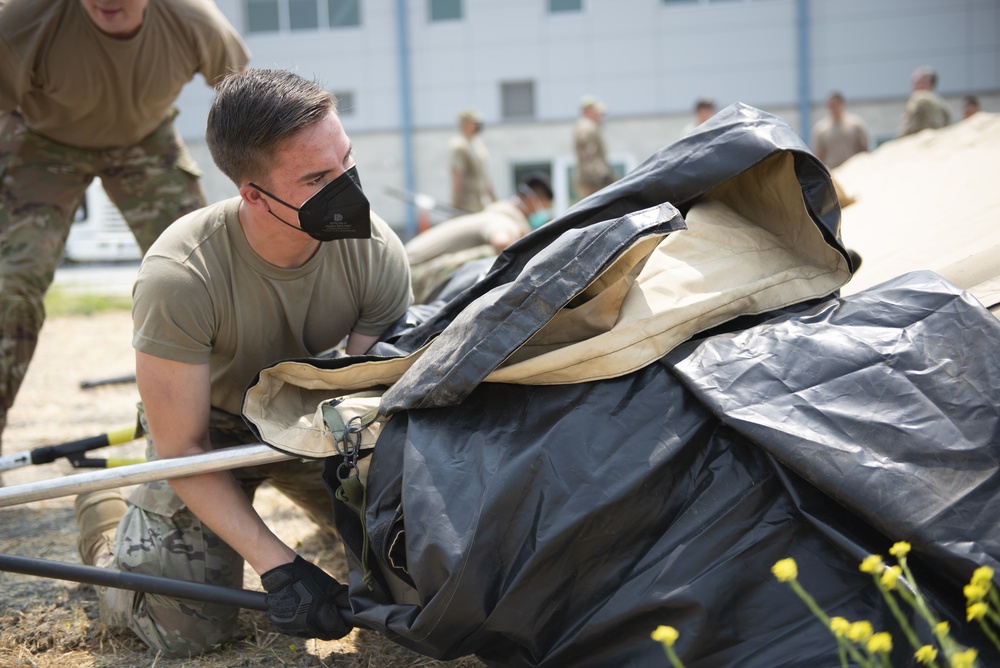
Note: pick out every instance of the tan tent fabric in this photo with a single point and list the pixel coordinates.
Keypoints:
(287, 404)
(750, 247)
(928, 201)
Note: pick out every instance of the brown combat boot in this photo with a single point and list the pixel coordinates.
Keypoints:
(97, 515)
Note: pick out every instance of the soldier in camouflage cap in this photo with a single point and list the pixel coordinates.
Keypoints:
(87, 89)
(593, 171)
(471, 187)
(924, 108)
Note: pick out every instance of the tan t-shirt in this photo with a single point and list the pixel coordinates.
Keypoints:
(78, 86)
(475, 229)
(203, 296)
(835, 142)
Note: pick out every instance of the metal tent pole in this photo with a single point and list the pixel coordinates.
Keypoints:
(161, 469)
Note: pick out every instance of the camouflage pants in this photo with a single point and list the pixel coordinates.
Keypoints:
(41, 186)
(159, 536)
(429, 278)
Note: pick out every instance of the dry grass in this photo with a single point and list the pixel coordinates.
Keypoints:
(49, 623)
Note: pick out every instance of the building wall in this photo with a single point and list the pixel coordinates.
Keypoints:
(648, 60)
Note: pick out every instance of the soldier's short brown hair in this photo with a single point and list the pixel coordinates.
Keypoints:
(254, 111)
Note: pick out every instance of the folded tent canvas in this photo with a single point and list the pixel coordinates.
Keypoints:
(644, 405)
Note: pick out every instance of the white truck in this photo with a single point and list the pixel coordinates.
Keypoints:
(99, 233)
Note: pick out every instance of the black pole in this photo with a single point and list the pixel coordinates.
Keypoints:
(49, 453)
(87, 384)
(152, 584)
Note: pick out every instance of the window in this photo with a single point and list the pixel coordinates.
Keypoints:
(345, 102)
(284, 15)
(302, 15)
(445, 10)
(700, 2)
(565, 6)
(344, 13)
(518, 100)
(522, 169)
(262, 16)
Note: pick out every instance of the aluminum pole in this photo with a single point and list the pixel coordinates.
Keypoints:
(160, 469)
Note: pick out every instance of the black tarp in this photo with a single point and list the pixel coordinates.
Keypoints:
(559, 525)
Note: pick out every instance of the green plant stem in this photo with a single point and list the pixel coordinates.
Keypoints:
(989, 633)
(994, 597)
(913, 597)
(816, 610)
(675, 660)
(918, 600)
(904, 624)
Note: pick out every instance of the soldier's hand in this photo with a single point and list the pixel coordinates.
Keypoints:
(303, 600)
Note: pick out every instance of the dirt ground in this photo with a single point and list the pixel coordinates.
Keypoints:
(48, 623)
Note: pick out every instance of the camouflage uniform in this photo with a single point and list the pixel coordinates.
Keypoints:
(593, 171)
(470, 158)
(41, 185)
(159, 536)
(924, 110)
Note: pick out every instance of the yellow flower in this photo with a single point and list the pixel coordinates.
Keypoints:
(941, 628)
(966, 659)
(785, 570)
(926, 655)
(872, 564)
(880, 642)
(860, 632)
(666, 635)
(900, 549)
(975, 592)
(839, 626)
(983, 577)
(976, 611)
(890, 575)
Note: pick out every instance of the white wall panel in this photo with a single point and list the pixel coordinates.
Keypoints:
(646, 59)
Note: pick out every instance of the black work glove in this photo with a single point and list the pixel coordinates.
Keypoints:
(302, 600)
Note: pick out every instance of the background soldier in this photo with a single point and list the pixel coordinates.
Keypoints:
(592, 169)
(471, 188)
(436, 254)
(924, 108)
(839, 135)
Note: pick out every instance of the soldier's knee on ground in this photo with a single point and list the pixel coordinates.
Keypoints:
(180, 628)
(97, 516)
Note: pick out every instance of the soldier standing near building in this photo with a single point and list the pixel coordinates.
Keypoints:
(924, 108)
(471, 188)
(592, 169)
(87, 89)
(839, 135)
